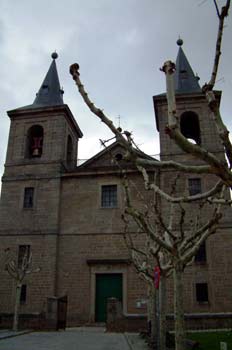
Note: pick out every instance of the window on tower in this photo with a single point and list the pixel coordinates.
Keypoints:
(189, 127)
(28, 200)
(44, 89)
(35, 137)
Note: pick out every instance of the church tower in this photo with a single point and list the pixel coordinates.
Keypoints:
(42, 145)
(195, 118)
(197, 125)
(43, 133)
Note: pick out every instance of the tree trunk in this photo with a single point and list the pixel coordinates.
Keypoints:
(16, 308)
(178, 307)
(152, 314)
(162, 310)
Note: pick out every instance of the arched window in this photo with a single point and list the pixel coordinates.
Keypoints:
(189, 126)
(69, 150)
(35, 137)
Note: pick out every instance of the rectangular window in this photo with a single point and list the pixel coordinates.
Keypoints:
(109, 196)
(200, 257)
(28, 200)
(202, 292)
(23, 254)
(194, 186)
(23, 295)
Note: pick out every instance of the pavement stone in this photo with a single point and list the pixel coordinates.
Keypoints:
(82, 338)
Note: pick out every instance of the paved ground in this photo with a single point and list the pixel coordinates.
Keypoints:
(73, 339)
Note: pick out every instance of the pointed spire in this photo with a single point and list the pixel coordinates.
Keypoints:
(185, 79)
(50, 93)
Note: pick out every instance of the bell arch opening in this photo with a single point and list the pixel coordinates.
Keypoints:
(35, 136)
(190, 127)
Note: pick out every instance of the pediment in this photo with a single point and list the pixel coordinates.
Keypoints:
(107, 158)
(111, 158)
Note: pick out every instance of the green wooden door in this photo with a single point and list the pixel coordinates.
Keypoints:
(107, 285)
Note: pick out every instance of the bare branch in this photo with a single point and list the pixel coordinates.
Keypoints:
(74, 70)
(208, 88)
(217, 9)
(219, 201)
(183, 199)
(142, 222)
(210, 223)
(189, 254)
(181, 222)
(166, 229)
(221, 16)
(218, 167)
(170, 164)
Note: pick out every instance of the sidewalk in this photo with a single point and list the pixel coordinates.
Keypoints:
(129, 341)
(8, 333)
(135, 342)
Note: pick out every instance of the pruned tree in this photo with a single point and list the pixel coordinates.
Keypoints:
(173, 245)
(18, 269)
(145, 257)
(172, 241)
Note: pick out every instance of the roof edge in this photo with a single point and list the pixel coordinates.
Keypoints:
(41, 110)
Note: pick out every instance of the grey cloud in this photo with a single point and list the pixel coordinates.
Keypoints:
(119, 45)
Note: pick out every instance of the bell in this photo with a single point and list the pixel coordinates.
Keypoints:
(35, 152)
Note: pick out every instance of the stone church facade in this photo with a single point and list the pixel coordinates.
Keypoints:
(69, 217)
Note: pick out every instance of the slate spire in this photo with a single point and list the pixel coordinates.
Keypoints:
(185, 80)
(50, 93)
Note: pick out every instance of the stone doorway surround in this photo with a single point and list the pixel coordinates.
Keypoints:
(107, 267)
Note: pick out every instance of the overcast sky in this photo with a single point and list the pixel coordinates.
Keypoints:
(120, 46)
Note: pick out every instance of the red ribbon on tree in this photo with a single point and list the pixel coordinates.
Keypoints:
(157, 277)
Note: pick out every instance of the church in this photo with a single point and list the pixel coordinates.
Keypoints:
(69, 217)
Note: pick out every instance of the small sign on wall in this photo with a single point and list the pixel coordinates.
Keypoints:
(223, 345)
(141, 303)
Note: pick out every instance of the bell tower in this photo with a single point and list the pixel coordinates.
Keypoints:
(42, 145)
(195, 118)
(196, 123)
(43, 133)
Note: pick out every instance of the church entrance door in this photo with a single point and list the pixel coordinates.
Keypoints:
(108, 285)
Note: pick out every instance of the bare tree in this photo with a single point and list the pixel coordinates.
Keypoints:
(172, 243)
(174, 246)
(18, 269)
(178, 247)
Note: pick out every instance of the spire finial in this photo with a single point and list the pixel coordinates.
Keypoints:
(185, 79)
(179, 41)
(54, 55)
(50, 93)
